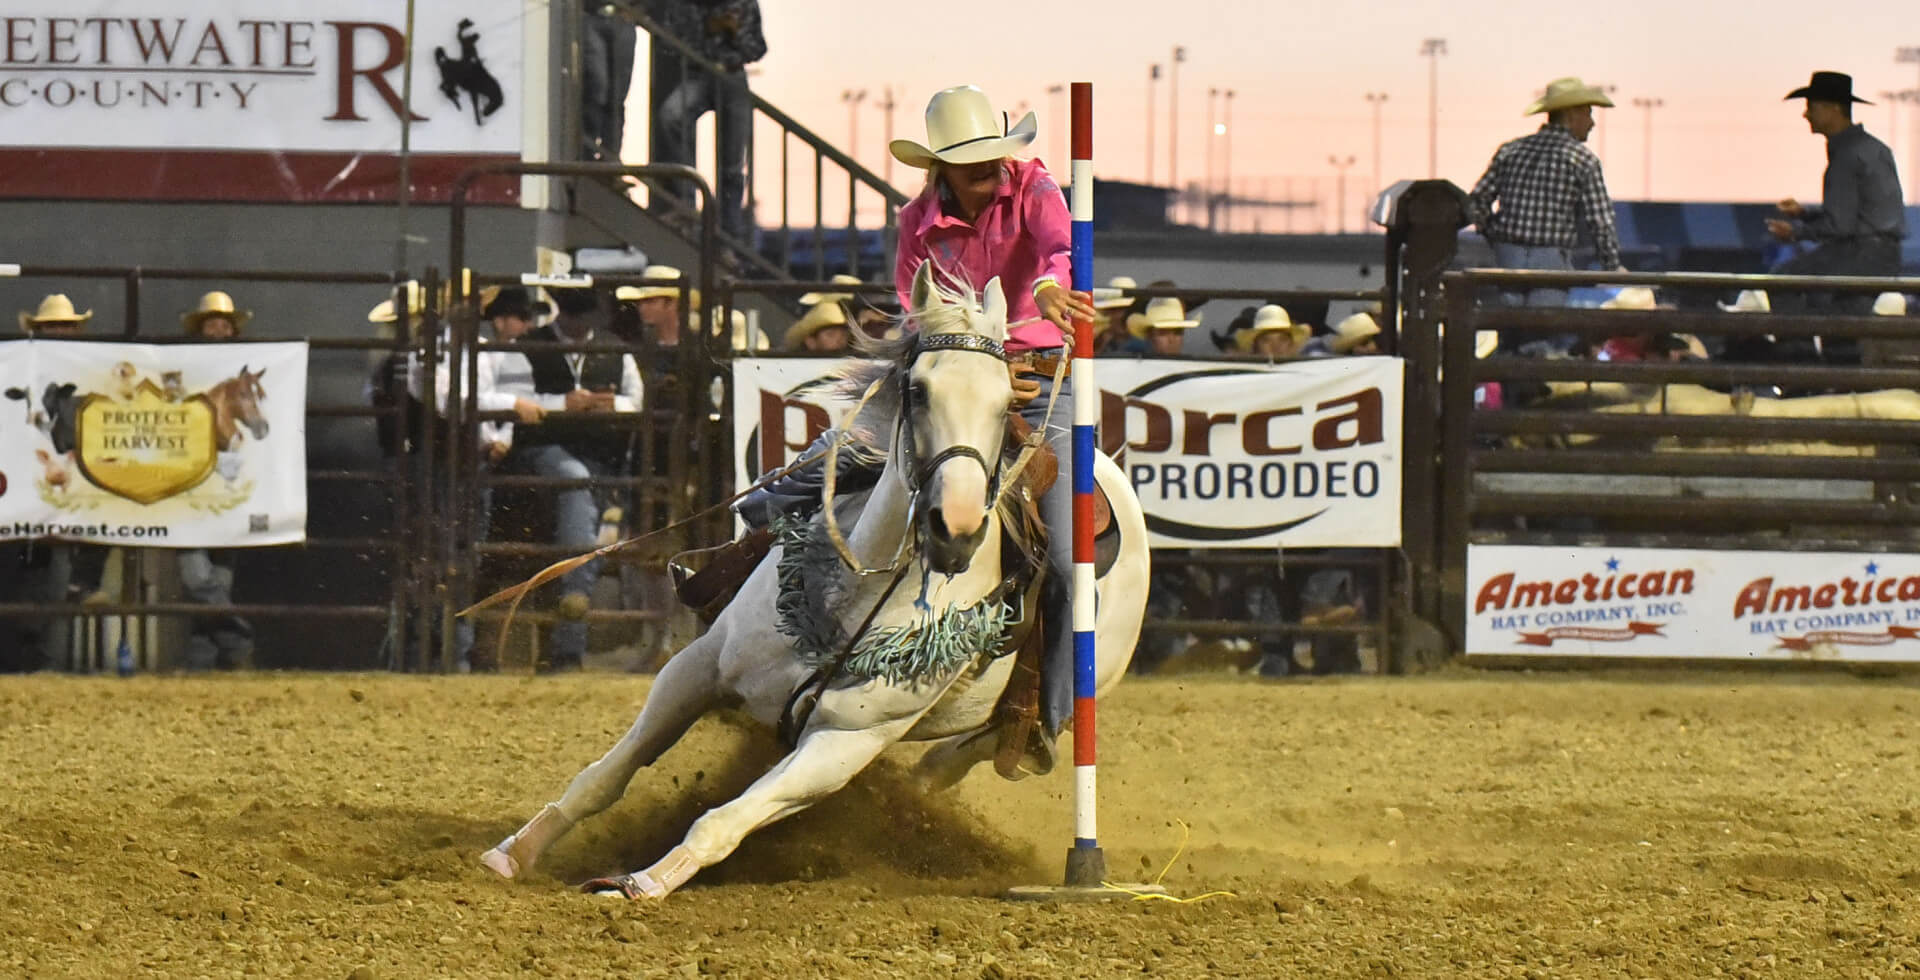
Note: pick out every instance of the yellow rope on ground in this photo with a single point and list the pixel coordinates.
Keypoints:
(1186, 835)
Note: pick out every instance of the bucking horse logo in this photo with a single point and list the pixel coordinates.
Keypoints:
(469, 74)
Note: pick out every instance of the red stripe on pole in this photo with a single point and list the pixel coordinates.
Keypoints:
(1082, 95)
(1083, 740)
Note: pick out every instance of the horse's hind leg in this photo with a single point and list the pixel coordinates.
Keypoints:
(826, 759)
(684, 690)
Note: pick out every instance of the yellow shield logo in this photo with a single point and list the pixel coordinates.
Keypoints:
(145, 448)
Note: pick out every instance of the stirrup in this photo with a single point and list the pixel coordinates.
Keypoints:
(707, 578)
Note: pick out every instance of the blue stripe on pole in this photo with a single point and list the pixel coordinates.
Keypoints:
(1085, 843)
(1084, 682)
(1083, 459)
(1082, 255)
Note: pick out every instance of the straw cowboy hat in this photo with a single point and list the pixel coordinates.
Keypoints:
(962, 128)
(1749, 301)
(1567, 93)
(843, 279)
(1163, 313)
(819, 317)
(1271, 319)
(1828, 86)
(383, 312)
(1632, 298)
(1352, 332)
(667, 284)
(56, 308)
(1113, 295)
(1890, 304)
(214, 304)
(738, 320)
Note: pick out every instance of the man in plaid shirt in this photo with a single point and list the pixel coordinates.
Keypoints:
(1541, 190)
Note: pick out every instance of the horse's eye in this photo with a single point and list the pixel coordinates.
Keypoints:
(917, 392)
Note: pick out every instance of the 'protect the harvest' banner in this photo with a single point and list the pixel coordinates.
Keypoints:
(1221, 454)
(174, 446)
(1672, 603)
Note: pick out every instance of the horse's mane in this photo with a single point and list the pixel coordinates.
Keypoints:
(953, 308)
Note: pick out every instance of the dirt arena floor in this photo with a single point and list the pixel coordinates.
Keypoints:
(1462, 824)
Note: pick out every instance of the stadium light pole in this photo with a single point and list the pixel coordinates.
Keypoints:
(1153, 109)
(853, 98)
(1226, 161)
(1376, 100)
(1056, 121)
(1173, 119)
(1646, 145)
(1431, 49)
(1213, 134)
(886, 106)
(1340, 188)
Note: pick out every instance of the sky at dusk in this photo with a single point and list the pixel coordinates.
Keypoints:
(1300, 71)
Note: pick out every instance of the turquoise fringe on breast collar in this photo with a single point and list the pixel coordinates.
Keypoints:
(811, 596)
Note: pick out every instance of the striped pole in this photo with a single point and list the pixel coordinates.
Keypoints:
(1086, 865)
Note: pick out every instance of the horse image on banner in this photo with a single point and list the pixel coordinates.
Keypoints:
(902, 628)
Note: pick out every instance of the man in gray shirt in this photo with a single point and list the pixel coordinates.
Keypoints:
(1859, 224)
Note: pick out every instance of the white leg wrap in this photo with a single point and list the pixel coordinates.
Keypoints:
(668, 873)
(522, 849)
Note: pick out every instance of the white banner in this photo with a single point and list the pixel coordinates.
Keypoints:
(1657, 602)
(1222, 454)
(261, 75)
(174, 446)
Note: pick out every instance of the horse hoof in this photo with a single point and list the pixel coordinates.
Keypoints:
(501, 864)
(634, 887)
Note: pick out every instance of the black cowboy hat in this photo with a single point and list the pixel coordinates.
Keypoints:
(514, 301)
(1828, 86)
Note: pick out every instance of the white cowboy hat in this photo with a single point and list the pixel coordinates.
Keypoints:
(1749, 301)
(56, 308)
(1485, 342)
(214, 304)
(818, 317)
(962, 128)
(383, 312)
(669, 285)
(1352, 332)
(1272, 319)
(1632, 298)
(1890, 304)
(739, 323)
(1566, 93)
(1113, 295)
(1163, 313)
(843, 279)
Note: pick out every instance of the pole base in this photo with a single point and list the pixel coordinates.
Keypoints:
(1086, 882)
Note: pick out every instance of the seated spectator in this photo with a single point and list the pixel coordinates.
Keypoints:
(659, 304)
(1273, 336)
(1228, 343)
(1356, 336)
(1114, 300)
(206, 575)
(744, 335)
(55, 572)
(577, 446)
(1163, 325)
(823, 330)
(1647, 344)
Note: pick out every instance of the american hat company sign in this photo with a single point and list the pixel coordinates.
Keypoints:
(1222, 455)
(225, 77)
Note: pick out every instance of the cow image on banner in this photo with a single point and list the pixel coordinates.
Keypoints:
(1222, 455)
(185, 446)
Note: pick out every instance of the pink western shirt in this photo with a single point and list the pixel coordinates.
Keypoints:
(1023, 237)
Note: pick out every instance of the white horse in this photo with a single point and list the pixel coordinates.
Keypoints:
(947, 391)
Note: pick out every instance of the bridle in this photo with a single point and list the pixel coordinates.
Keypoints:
(920, 471)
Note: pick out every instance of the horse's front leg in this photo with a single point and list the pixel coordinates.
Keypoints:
(826, 760)
(684, 690)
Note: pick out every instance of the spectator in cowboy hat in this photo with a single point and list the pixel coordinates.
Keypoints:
(1357, 335)
(1861, 221)
(1116, 302)
(207, 575)
(823, 330)
(216, 318)
(56, 317)
(658, 301)
(1540, 191)
(1163, 325)
(1272, 336)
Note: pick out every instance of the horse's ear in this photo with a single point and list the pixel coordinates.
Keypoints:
(995, 304)
(921, 295)
(257, 375)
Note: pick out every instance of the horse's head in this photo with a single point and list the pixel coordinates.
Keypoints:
(953, 414)
(247, 392)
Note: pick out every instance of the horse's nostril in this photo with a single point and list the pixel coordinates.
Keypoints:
(937, 525)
